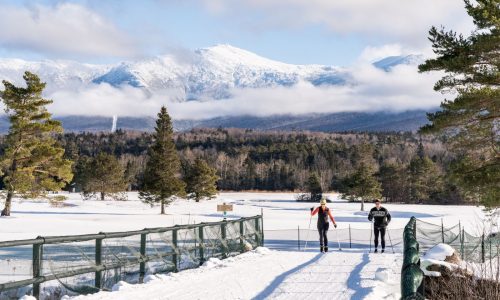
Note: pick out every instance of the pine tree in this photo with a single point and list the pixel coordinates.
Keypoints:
(33, 162)
(393, 182)
(470, 121)
(363, 185)
(103, 175)
(313, 186)
(201, 181)
(161, 175)
(424, 179)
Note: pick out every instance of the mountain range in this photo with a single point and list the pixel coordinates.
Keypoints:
(211, 74)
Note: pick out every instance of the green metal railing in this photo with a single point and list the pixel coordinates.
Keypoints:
(135, 253)
(412, 277)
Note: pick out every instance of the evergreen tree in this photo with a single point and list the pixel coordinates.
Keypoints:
(103, 175)
(362, 185)
(33, 161)
(201, 181)
(423, 179)
(313, 186)
(393, 182)
(161, 175)
(470, 121)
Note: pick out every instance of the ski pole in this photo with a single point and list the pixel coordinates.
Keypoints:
(307, 235)
(371, 232)
(389, 233)
(338, 241)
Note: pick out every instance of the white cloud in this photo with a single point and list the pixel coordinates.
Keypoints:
(405, 21)
(65, 29)
(371, 90)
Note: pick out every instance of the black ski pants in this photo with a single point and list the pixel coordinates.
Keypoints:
(376, 231)
(323, 230)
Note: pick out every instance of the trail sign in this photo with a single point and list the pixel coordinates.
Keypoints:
(224, 208)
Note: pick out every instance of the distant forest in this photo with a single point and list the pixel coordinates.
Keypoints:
(409, 168)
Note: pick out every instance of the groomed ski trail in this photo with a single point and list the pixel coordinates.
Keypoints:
(339, 275)
(266, 274)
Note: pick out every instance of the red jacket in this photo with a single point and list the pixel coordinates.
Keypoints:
(315, 211)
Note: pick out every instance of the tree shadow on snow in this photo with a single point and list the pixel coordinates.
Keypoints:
(278, 280)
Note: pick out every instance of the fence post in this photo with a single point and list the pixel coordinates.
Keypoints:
(463, 242)
(202, 244)
(461, 236)
(262, 223)
(415, 229)
(98, 262)
(257, 232)
(298, 237)
(224, 241)
(482, 248)
(37, 267)
(242, 236)
(142, 265)
(442, 230)
(350, 244)
(174, 244)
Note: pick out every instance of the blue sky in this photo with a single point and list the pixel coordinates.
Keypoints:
(331, 32)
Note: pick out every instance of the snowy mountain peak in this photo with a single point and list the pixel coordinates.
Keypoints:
(206, 73)
(234, 56)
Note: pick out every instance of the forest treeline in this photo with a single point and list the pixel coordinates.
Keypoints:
(402, 167)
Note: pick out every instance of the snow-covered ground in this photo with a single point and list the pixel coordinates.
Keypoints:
(262, 273)
(33, 218)
(265, 274)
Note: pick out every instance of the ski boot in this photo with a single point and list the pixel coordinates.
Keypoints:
(326, 248)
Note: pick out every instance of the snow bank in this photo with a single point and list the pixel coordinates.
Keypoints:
(439, 252)
(386, 286)
(437, 256)
(122, 286)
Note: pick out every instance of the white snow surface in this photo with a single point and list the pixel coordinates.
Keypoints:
(267, 274)
(439, 252)
(257, 274)
(31, 218)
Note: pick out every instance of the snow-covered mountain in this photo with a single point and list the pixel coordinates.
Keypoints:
(210, 74)
(207, 73)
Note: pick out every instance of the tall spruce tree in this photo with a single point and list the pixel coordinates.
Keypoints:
(201, 181)
(471, 121)
(33, 162)
(424, 179)
(363, 185)
(161, 175)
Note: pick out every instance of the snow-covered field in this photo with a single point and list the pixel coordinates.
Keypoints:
(33, 218)
(262, 273)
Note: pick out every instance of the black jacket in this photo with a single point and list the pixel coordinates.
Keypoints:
(382, 216)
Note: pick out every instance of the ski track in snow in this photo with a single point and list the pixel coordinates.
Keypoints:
(275, 275)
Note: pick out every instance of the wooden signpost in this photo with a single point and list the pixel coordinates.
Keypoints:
(224, 208)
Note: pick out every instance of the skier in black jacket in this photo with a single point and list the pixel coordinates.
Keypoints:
(382, 218)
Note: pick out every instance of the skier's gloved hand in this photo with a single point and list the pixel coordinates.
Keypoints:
(335, 225)
(312, 208)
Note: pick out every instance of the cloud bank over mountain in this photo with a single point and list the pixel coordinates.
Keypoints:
(226, 81)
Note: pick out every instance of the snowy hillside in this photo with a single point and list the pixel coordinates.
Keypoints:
(207, 73)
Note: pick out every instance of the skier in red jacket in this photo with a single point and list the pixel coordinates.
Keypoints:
(323, 223)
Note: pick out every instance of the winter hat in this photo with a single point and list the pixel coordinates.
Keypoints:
(323, 201)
